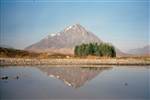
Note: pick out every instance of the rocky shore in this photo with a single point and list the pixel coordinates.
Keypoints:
(74, 61)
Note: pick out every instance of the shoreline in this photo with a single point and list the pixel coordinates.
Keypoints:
(73, 61)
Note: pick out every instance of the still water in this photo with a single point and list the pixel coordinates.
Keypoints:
(75, 83)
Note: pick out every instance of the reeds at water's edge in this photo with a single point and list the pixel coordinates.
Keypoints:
(75, 61)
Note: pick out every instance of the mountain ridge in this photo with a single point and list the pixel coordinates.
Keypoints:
(142, 51)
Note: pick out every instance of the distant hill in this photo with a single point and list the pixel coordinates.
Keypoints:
(5, 46)
(65, 41)
(144, 51)
(16, 53)
(10, 52)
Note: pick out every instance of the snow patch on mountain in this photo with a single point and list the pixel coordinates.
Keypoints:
(68, 28)
(54, 34)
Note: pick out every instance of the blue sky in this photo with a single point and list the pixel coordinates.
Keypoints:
(124, 23)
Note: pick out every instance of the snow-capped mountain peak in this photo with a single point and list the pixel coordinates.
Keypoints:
(65, 40)
(75, 27)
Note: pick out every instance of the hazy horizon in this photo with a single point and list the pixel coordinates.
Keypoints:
(124, 23)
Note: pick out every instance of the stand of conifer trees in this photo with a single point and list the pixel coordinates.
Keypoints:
(102, 49)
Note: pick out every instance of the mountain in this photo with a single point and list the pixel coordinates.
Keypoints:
(144, 51)
(65, 40)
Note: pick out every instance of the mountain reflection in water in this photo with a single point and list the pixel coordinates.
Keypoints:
(75, 76)
(56, 82)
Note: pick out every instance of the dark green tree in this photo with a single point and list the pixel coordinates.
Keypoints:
(102, 49)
